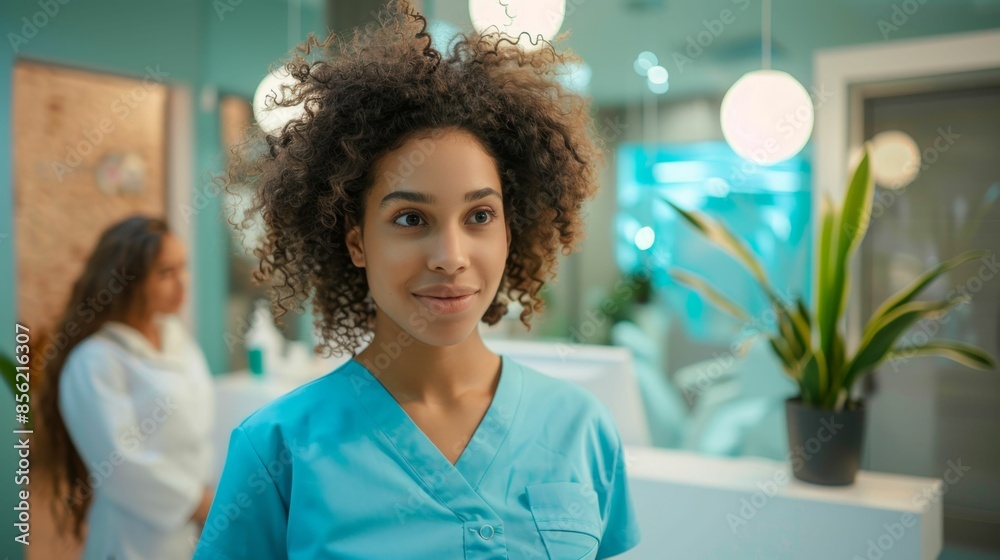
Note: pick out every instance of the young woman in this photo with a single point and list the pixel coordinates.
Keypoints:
(128, 404)
(418, 195)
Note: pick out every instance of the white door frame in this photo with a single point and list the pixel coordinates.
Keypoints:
(180, 138)
(839, 129)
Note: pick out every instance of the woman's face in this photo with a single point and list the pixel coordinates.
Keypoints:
(434, 228)
(164, 288)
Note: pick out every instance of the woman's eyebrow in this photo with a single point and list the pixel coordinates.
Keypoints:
(419, 197)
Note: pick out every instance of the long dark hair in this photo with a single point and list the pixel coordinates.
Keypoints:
(115, 270)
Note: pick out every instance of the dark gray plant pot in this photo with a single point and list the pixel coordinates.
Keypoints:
(824, 446)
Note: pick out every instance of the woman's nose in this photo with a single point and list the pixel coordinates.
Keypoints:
(448, 251)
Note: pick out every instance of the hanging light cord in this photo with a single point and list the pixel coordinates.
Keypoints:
(765, 34)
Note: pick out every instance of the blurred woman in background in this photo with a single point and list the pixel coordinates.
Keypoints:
(128, 408)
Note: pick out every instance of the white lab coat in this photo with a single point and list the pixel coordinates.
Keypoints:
(141, 420)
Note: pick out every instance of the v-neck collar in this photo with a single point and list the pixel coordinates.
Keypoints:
(421, 453)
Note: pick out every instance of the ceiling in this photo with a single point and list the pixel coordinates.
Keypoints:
(609, 34)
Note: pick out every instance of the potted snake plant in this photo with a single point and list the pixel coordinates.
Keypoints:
(825, 425)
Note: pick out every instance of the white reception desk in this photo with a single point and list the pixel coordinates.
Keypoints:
(693, 506)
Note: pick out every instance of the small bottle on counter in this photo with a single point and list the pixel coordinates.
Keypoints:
(264, 341)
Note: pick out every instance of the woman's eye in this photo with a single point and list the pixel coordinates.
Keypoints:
(485, 215)
(410, 220)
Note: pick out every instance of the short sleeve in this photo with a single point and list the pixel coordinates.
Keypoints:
(248, 518)
(99, 413)
(621, 529)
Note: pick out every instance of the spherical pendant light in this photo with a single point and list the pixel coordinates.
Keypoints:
(513, 17)
(271, 117)
(895, 159)
(767, 116)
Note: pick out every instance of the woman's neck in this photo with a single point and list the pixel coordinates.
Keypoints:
(431, 374)
(146, 325)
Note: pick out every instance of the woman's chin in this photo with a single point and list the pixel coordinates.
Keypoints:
(443, 334)
(172, 308)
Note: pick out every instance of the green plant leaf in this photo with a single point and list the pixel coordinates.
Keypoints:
(804, 313)
(965, 354)
(883, 336)
(720, 235)
(803, 323)
(745, 344)
(9, 369)
(826, 317)
(814, 376)
(780, 348)
(909, 292)
(10, 373)
(702, 286)
(794, 327)
(850, 229)
(836, 370)
(856, 213)
(787, 330)
(798, 327)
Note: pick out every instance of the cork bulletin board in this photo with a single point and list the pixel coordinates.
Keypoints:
(89, 149)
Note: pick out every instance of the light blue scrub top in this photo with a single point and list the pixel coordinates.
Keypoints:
(337, 469)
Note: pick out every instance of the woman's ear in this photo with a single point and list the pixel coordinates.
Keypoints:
(355, 246)
(507, 225)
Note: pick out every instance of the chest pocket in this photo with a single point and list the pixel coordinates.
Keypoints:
(568, 519)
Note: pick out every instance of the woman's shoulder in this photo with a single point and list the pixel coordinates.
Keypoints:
(93, 349)
(295, 408)
(572, 414)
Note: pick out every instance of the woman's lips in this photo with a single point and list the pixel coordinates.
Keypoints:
(447, 305)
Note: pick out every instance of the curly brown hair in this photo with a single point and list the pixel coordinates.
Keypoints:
(366, 95)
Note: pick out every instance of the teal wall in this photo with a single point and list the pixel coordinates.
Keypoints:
(203, 45)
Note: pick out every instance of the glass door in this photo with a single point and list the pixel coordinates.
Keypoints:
(930, 416)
